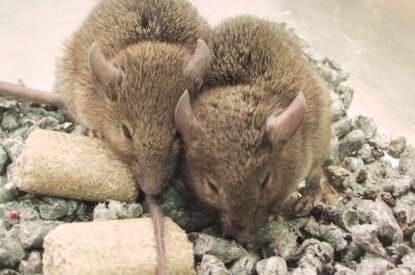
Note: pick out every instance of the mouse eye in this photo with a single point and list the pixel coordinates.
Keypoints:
(265, 182)
(176, 135)
(126, 132)
(213, 188)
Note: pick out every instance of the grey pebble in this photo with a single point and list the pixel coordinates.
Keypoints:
(103, 213)
(365, 236)
(354, 164)
(407, 161)
(342, 127)
(334, 236)
(379, 213)
(11, 252)
(346, 93)
(80, 130)
(28, 214)
(245, 265)
(413, 239)
(397, 186)
(372, 266)
(379, 141)
(211, 265)
(365, 153)
(406, 203)
(48, 123)
(351, 143)
(33, 264)
(53, 209)
(332, 74)
(10, 120)
(272, 266)
(313, 256)
(13, 147)
(8, 192)
(337, 109)
(367, 125)
(9, 272)
(279, 237)
(333, 158)
(343, 270)
(117, 210)
(32, 233)
(337, 176)
(8, 102)
(224, 250)
(396, 147)
(341, 215)
(4, 158)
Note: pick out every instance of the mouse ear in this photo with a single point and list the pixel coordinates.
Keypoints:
(283, 125)
(104, 74)
(197, 65)
(185, 119)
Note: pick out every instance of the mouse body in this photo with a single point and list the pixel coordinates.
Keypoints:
(123, 72)
(260, 127)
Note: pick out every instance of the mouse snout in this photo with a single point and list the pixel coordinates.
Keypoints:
(237, 226)
(241, 231)
(151, 186)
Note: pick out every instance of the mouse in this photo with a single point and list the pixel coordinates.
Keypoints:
(121, 75)
(259, 128)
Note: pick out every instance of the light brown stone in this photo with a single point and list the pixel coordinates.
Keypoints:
(115, 247)
(71, 166)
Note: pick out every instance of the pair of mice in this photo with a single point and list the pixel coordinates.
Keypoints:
(258, 122)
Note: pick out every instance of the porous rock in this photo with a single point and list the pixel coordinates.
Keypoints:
(33, 233)
(245, 265)
(117, 210)
(367, 125)
(13, 147)
(33, 264)
(379, 213)
(337, 176)
(341, 215)
(407, 161)
(342, 127)
(313, 255)
(365, 236)
(115, 247)
(211, 265)
(396, 147)
(3, 159)
(351, 142)
(53, 164)
(272, 265)
(372, 266)
(11, 252)
(8, 192)
(224, 250)
(279, 237)
(354, 164)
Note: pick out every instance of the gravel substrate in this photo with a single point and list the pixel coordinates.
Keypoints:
(367, 228)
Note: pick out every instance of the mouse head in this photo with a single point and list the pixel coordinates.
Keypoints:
(233, 143)
(135, 97)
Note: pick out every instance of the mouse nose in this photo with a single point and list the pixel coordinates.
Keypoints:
(237, 226)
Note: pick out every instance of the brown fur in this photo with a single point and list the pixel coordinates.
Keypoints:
(256, 72)
(126, 86)
(151, 40)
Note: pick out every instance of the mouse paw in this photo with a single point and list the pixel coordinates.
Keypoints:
(94, 133)
(309, 201)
